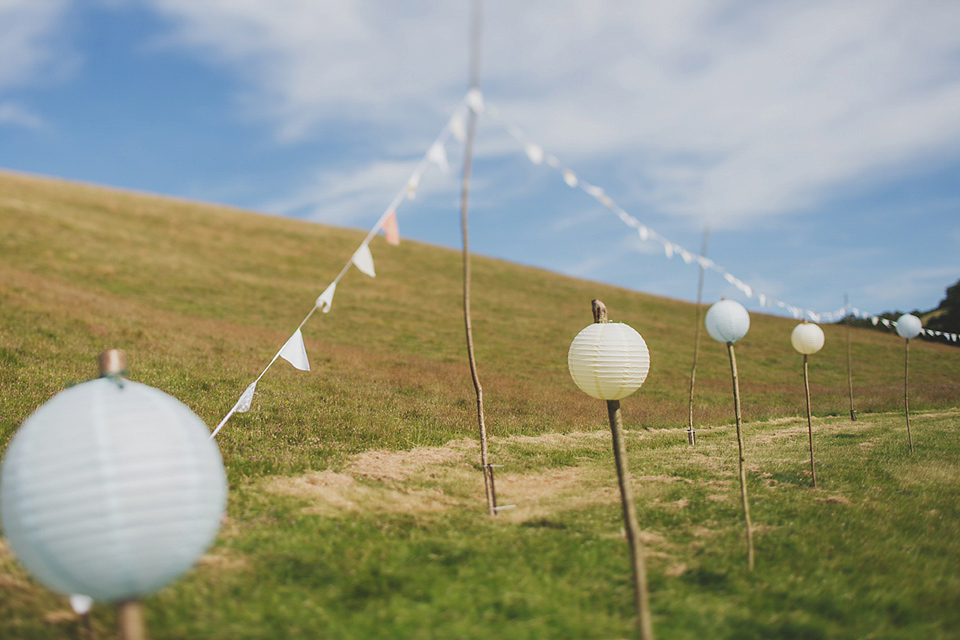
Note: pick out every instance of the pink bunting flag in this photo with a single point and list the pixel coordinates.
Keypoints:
(391, 230)
(295, 352)
(363, 260)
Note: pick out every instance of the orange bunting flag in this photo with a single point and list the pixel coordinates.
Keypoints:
(391, 230)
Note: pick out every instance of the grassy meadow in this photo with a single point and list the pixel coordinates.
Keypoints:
(356, 502)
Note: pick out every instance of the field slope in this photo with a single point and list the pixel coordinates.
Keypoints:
(356, 506)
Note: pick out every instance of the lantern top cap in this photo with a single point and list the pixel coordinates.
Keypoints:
(113, 362)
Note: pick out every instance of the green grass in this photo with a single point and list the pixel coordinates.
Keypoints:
(201, 298)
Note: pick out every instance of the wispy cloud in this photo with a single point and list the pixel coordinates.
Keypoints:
(727, 110)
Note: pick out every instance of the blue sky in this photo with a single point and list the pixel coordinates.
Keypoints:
(820, 140)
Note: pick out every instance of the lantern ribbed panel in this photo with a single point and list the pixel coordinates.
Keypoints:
(608, 361)
(111, 492)
(727, 321)
(807, 338)
(908, 326)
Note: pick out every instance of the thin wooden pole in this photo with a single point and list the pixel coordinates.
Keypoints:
(853, 414)
(906, 399)
(641, 593)
(468, 326)
(806, 391)
(691, 432)
(743, 474)
(130, 624)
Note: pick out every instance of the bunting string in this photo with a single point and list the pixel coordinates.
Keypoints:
(293, 350)
(539, 156)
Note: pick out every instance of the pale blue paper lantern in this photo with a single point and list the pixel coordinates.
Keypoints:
(111, 489)
(727, 321)
(909, 326)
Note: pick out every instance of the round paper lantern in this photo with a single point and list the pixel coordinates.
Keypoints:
(111, 489)
(727, 321)
(908, 326)
(807, 338)
(608, 360)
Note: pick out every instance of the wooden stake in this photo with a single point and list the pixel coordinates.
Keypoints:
(130, 624)
(806, 390)
(691, 432)
(906, 400)
(853, 414)
(641, 594)
(743, 474)
(465, 192)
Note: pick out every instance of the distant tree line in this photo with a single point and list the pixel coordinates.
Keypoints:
(945, 317)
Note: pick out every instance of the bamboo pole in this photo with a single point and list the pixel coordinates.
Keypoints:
(640, 590)
(853, 414)
(691, 432)
(743, 474)
(130, 623)
(906, 399)
(806, 390)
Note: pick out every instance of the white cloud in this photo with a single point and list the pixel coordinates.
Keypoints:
(14, 114)
(732, 110)
(28, 48)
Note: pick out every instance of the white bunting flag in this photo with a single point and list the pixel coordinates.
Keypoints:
(534, 152)
(885, 322)
(457, 129)
(644, 233)
(668, 249)
(762, 299)
(552, 161)
(475, 100)
(391, 230)
(246, 399)
(325, 301)
(570, 178)
(438, 155)
(595, 191)
(412, 185)
(363, 260)
(686, 255)
(874, 320)
(295, 352)
(729, 278)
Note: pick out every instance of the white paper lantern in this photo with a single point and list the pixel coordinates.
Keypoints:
(727, 321)
(608, 360)
(908, 326)
(807, 338)
(111, 489)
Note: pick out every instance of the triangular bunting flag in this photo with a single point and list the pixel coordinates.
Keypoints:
(534, 152)
(325, 301)
(438, 155)
(295, 352)
(668, 249)
(686, 255)
(475, 100)
(570, 178)
(363, 260)
(762, 299)
(391, 230)
(644, 233)
(457, 129)
(885, 322)
(412, 185)
(553, 161)
(874, 320)
(246, 399)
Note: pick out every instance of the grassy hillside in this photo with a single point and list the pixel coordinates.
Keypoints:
(201, 297)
